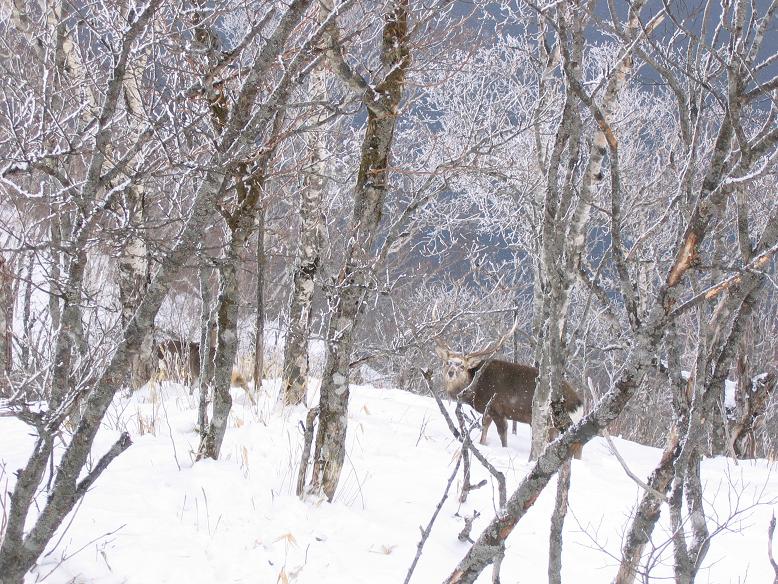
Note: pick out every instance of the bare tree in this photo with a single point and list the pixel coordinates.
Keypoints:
(74, 154)
(295, 368)
(351, 288)
(735, 153)
(6, 304)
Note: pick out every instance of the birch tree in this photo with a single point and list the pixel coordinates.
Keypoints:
(722, 303)
(563, 240)
(295, 368)
(73, 151)
(54, 43)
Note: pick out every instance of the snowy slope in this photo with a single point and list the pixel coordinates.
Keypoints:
(237, 520)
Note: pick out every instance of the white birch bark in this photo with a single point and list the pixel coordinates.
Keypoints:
(295, 370)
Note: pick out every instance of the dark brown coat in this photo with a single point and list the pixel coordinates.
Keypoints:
(506, 388)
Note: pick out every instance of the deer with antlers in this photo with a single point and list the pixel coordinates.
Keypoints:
(498, 389)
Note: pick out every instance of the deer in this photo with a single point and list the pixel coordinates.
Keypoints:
(497, 389)
(183, 358)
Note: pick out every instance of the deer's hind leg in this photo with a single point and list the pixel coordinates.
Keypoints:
(485, 423)
(502, 429)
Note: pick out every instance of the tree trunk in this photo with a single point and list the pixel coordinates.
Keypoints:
(558, 523)
(6, 319)
(205, 381)
(134, 277)
(295, 372)
(226, 349)
(26, 313)
(259, 341)
(249, 186)
(550, 317)
(355, 278)
(55, 235)
(240, 223)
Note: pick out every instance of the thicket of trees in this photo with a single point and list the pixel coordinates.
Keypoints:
(376, 174)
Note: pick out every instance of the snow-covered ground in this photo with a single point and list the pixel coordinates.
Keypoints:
(155, 517)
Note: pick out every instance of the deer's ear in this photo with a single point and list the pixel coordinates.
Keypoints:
(473, 362)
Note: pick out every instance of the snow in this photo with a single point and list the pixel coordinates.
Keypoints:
(730, 389)
(237, 520)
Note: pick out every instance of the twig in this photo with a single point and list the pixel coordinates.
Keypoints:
(467, 444)
(630, 474)
(122, 444)
(464, 535)
(773, 563)
(169, 429)
(66, 557)
(425, 533)
(465, 458)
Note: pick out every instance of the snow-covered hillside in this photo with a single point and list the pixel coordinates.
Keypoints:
(154, 517)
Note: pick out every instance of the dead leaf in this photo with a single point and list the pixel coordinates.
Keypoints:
(384, 549)
(288, 538)
(282, 577)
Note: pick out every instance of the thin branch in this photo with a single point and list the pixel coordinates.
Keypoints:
(425, 533)
(122, 444)
(646, 487)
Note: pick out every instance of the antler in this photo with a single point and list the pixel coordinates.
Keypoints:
(441, 343)
(491, 350)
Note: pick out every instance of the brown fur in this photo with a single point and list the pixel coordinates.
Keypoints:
(506, 388)
(183, 359)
